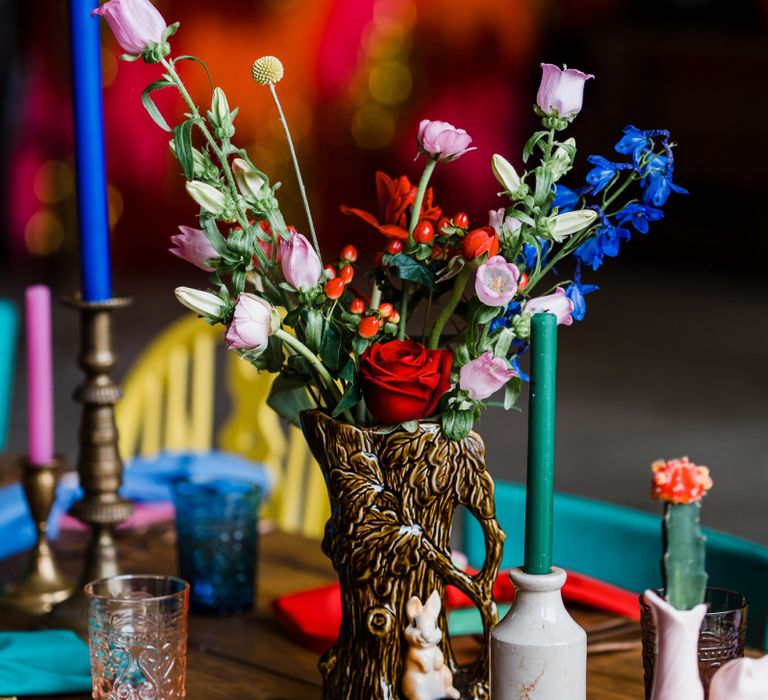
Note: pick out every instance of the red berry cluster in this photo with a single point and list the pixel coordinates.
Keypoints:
(370, 325)
(337, 281)
(446, 238)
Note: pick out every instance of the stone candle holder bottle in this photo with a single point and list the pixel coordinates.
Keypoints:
(538, 652)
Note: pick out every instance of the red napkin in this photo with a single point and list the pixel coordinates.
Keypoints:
(313, 617)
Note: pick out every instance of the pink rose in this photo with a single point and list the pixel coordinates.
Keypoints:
(442, 141)
(496, 281)
(484, 376)
(300, 263)
(136, 24)
(556, 303)
(192, 246)
(561, 90)
(252, 323)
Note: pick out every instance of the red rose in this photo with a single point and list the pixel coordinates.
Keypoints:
(401, 380)
(481, 240)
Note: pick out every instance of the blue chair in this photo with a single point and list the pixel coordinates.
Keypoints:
(622, 546)
(9, 329)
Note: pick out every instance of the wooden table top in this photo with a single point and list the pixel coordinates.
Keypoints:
(252, 657)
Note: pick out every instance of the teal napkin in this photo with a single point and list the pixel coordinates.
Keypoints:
(43, 663)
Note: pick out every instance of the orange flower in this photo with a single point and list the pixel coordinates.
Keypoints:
(679, 481)
(396, 198)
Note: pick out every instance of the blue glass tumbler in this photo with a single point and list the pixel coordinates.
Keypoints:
(217, 543)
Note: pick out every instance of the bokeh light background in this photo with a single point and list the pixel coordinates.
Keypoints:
(672, 355)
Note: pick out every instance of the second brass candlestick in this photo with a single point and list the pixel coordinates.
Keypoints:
(99, 464)
(42, 585)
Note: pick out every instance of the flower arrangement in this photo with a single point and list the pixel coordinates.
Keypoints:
(359, 356)
(681, 485)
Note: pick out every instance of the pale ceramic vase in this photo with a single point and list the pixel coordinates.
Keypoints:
(676, 674)
(741, 679)
(538, 652)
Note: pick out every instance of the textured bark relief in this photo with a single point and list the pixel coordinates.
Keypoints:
(393, 498)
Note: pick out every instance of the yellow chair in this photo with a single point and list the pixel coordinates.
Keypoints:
(168, 405)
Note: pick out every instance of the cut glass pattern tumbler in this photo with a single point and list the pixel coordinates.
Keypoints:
(137, 634)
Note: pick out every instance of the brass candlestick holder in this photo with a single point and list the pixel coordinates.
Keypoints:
(99, 464)
(42, 585)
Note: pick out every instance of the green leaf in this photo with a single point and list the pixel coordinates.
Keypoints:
(486, 313)
(238, 281)
(197, 60)
(532, 144)
(212, 233)
(182, 142)
(288, 398)
(351, 398)
(170, 30)
(522, 216)
(502, 342)
(313, 332)
(412, 270)
(151, 107)
(543, 185)
(410, 426)
(330, 348)
(348, 371)
(461, 355)
(457, 424)
(359, 344)
(512, 392)
(291, 317)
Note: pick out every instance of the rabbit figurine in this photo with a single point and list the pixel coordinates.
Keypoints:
(426, 676)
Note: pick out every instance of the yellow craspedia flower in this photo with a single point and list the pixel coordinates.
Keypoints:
(267, 70)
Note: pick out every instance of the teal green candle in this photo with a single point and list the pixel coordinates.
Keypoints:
(541, 445)
(9, 328)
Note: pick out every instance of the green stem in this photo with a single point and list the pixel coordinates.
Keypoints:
(304, 351)
(296, 168)
(241, 217)
(415, 214)
(426, 316)
(619, 190)
(420, 192)
(403, 310)
(453, 301)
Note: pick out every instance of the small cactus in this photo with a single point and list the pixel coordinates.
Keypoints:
(681, 485)
(685, 578)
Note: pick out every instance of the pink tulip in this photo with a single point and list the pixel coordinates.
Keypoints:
(561, 90)
(253, 322)
(192, 246)
(442, 141)
(556, 303)
(136, 24)
(484, 376)
(300, 263)
(496, 281)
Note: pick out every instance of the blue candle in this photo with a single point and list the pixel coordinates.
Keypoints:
(93, 212)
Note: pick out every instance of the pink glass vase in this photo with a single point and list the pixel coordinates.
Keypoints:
(741, 679)
(676, 676)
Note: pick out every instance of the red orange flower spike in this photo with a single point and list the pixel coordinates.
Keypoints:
(395, 199)
(679, 481)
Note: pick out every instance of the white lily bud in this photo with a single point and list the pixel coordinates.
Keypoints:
(202, 303)
(505, 173)
(561, 160)
(207, 196)
(249, 182)
(564, 225)
(220, 116)
(219, 105)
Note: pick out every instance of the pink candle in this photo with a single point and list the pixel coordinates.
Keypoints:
(39, 375)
